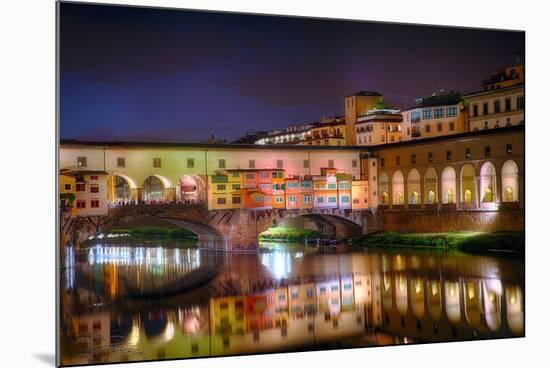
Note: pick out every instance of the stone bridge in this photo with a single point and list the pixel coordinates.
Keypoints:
(224, 230)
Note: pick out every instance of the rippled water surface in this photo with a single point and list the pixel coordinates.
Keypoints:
(285, 298)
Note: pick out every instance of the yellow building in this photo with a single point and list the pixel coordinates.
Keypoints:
(225, 190)
(67, 188)
(357, 105)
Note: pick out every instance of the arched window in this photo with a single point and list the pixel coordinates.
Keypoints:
(431, 197)
(415, 198)
(509, 197)
(488, 196)
(385, 198)
(510, 181)
(487, 182)
(398, 198)
(449, 196)
(467, 196)
(398, 187)
(448, 185)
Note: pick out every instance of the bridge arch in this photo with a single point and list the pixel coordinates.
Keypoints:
(156, 188)
(430, 186)
(487, 182)
(413, 187)
(467, 184)
(448, 185)
(510, 181)
(398, 187)
(191, 188)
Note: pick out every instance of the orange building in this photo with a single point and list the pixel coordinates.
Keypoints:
(278, 188)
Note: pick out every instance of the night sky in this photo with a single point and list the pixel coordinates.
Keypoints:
(130, 73)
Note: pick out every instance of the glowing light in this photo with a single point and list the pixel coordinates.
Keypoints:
(435, 288)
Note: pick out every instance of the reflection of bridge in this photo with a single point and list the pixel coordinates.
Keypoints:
(224, 230)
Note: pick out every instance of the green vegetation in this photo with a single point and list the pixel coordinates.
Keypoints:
(69, 196)
(155, 232)
(473, 242)
(288, 234)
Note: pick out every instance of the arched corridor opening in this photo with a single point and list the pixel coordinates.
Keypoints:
(487, 182)
(122, 190)
(430, 186)
(510, 182)
(384, 188)
(398, 187)
(467, 183)
(190, 189)
(156, 189)
(448, 185)
(413, 187)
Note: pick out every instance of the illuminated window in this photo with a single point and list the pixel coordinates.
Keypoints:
(488, 196)
(121, 162)
(81, 161)
(467, 196)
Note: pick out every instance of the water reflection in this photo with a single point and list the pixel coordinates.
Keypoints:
(280, 301)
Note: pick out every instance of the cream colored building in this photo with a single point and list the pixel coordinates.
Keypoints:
(500, 102)
(433, 116)
(379, 127)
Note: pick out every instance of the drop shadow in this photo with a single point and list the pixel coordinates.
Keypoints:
(46, 358)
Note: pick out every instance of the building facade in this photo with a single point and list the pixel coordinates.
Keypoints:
(356, 105)
(379, 127)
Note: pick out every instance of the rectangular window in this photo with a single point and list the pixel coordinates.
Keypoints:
(452, 126)
(430, 156)
(236, 186)
(428, 128)
(320, 199)
(439, 127)
(94, 188)
(307, 199)
(306, 164)
(449, 156)
(475, 111)
(236, 174)
(190, 163)
(93, 177)
(331, 199)
(468, 153)
(485, 108)
(413, 159)
(520, 102)
(415, 116)
(80, 204)
(220, 187)
(156, 162)
(331, 186)
(250, 176)
(508, 104)
(382, 162)
(439, 112)
(81, 161)
(94, 203)
(267, 199)
(292, 199)
(345, 199)
(67, 186)
(251, 164)
(264, 175)
(427, 114)
(279, 164)
(487, 151)
(398, 160)
(451, 111)
(278, 199)
(236, 200)
(344, 185)
(221, 163)
(121, 162)
(331, 163)
(221, 200)
(496, 106)
(509, 148)
(354, 162)
(80, 187)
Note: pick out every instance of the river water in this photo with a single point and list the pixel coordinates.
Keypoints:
(287, 297)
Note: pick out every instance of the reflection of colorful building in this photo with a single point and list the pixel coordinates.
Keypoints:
(228, 315)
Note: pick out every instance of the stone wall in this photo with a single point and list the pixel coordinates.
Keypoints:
(447, 220)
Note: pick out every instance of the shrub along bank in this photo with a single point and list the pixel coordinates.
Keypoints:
(288, 234)
(473, 242)
(156, 232)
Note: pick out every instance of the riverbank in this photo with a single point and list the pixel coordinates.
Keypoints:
(155, 232)
(290, 234)
(471, 242)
